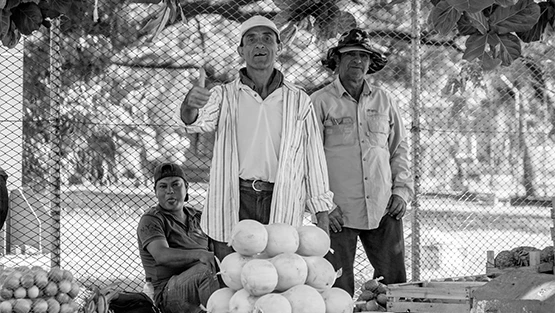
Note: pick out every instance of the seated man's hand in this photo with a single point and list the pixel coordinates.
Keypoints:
(207, 257)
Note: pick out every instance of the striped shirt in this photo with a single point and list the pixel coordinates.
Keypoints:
(301, 180)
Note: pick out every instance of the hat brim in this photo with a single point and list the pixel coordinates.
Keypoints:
(379, 60)
(355, 48)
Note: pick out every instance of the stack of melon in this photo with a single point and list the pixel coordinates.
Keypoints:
(278, 268)
(25, 289)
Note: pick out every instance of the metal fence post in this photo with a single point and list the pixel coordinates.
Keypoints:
(415, 130)
(55, 140)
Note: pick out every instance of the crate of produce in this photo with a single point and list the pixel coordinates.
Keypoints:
(523, 258)
(372, 297)
(453, 295)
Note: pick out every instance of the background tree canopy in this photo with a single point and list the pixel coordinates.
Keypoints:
(495, 28)
(126, 65)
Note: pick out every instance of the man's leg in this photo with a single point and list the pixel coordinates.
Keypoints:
(344, 246)
(221, 250)
(187, 291)
(385, 249)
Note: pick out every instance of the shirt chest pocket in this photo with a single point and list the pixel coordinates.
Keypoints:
(339, 132)
(377, 129)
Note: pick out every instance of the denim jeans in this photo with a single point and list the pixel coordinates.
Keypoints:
(252, 205)
(384, 247)
(187, 291)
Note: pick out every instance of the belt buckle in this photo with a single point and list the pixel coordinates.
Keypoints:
(253, 187)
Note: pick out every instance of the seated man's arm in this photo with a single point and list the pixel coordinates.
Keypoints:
(171, 257)
(152, 238)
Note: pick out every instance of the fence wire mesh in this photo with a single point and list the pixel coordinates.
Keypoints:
(88, 109)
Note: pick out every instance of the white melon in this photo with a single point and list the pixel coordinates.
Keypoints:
(292, 270)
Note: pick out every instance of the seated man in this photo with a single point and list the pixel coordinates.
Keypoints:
(173, 248)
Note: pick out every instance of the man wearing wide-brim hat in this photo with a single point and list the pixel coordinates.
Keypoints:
(367, 153)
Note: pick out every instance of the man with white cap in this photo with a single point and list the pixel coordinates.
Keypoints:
(268, 161)
(366, 149)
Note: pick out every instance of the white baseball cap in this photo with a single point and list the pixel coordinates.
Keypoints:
(255, 21)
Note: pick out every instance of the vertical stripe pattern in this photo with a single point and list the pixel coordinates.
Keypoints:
(302, 178)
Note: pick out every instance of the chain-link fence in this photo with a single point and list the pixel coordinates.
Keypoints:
(88, 109)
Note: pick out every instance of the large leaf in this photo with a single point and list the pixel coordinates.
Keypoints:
(465, 27)
(291, 5)
(517, 18)
(479, 21)
(47, 11)
(27, 17)
(475, 47)
(11, 4)
(443, 18)
(62, 6)
(154, 21)
(547, 17)
(327, 20)
(11, 38)
(5, 22)
(506, 3)
(345, 22)
(165, 18)
(489, 63)
(471, 6)
(509, 48)
(288, 34)
(282, 19)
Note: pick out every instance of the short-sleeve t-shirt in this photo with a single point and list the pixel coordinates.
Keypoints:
(155, 224)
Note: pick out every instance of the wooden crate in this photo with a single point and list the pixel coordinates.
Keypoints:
(430, 296)
(516, 291)
(535, 265)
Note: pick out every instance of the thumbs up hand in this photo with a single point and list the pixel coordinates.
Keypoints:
(198, 96)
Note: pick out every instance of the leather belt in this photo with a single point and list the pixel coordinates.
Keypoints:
(256, 185)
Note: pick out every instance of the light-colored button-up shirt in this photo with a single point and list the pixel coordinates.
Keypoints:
(366, 150)
(301, 179)
(259, 134)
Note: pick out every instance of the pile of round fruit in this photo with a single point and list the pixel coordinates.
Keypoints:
(520, 256)
(278, 268)
(34, 289)
(372, 297)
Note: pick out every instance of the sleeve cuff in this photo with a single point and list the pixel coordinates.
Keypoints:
(324, 203)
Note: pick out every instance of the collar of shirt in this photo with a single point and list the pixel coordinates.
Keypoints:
(342, 91)
(276, 80)
(190, 213)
